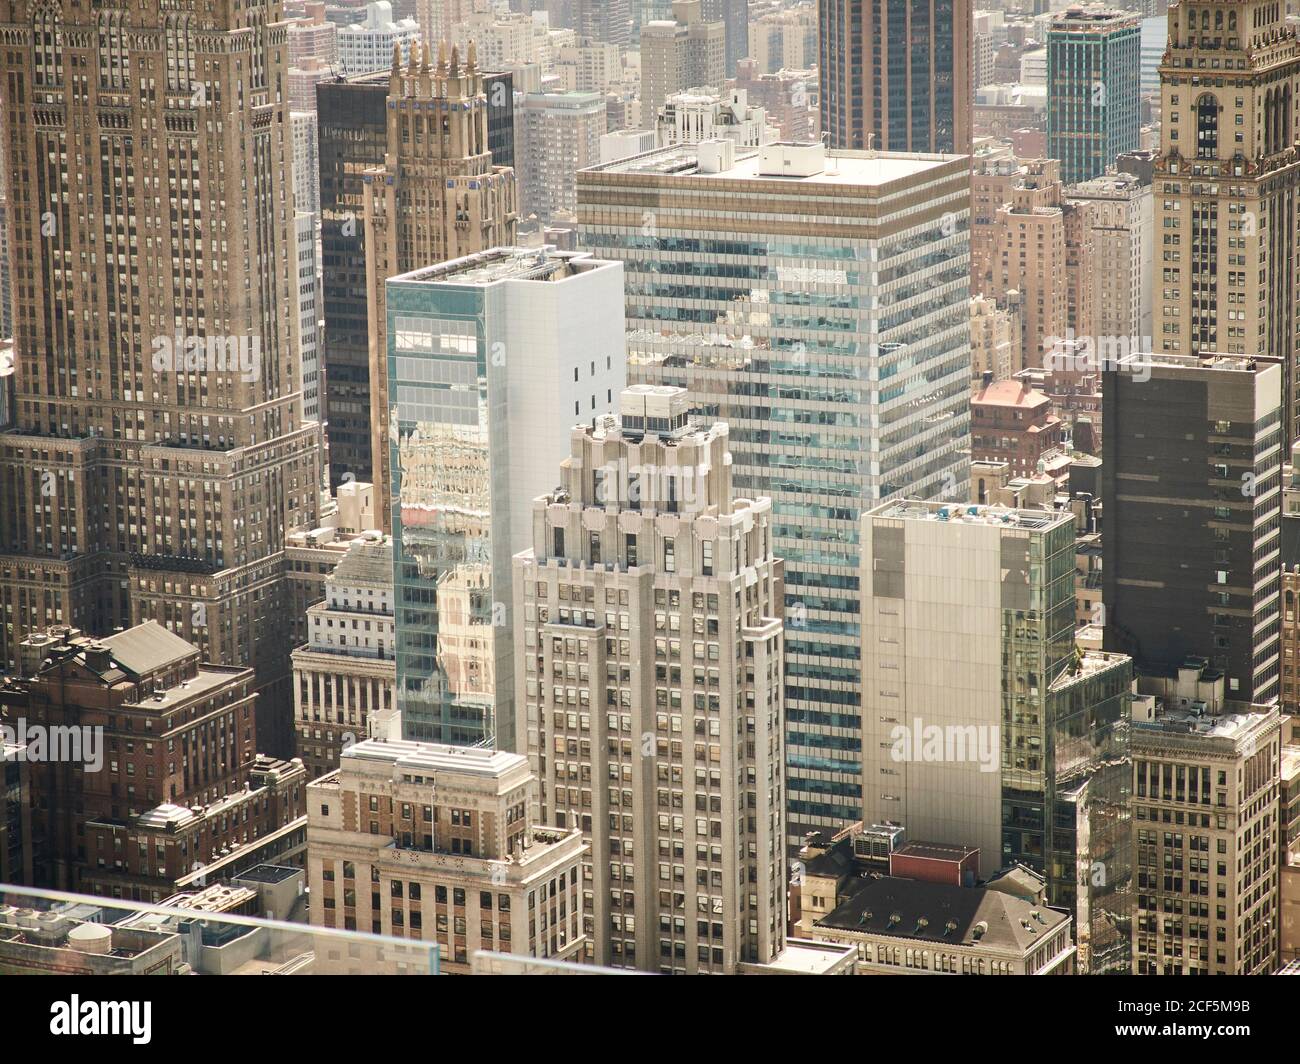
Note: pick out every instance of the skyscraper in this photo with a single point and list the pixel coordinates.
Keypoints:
(1094, 63)
(608, 21)
(437, 197)
(354, 139)
(734, 16)
(1205, 829)
(896, 74)
(159, 455)
(1118, 211)
(688, 51)
(649, 689)
(818, 304)
(1193, 453)
(559, 135)
(1226, 187)
(980, 727)
(492, 359)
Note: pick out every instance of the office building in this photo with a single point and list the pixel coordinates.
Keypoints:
(883, 88)
(1226, 183)
(436, 198)
(1193, 453)
(493, 358)
(685, 52)
(302, 81)
(159, 453)
(981, 727)
(588, 66)
(650, 601)
(367, 47)
(1093, 82)
(346, 672)
(353, 138)
(744, 288)
(1205, 829)
(1154, 34)
(440, 844)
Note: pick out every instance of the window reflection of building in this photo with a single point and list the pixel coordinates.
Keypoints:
(445, 514)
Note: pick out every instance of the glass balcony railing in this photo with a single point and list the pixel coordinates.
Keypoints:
(203, 932)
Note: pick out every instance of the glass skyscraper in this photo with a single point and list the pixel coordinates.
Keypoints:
(968, 618)
(1094, 71)
(817, 303)
(492, 359)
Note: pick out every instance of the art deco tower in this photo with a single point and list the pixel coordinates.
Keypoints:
(436, 198)
(1226, 183)
(159, 454)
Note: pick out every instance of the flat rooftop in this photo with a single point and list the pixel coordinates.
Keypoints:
(801, 957)
(429, 758)
(935, 851)
(268, 873)
(1234, 726)
(506, 264)
(855, 168)
(972, 514)
(1207, 361)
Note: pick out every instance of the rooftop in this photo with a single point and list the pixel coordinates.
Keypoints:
(970, 514)
(1011, 393)
(935, 851)
(801, 957)
(937, 912)
(855, 168)
(436, 757)
(1195, 721)
(148, 646)
(268, 873)
(1207, 361)
(505, 264)
(366, 564)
